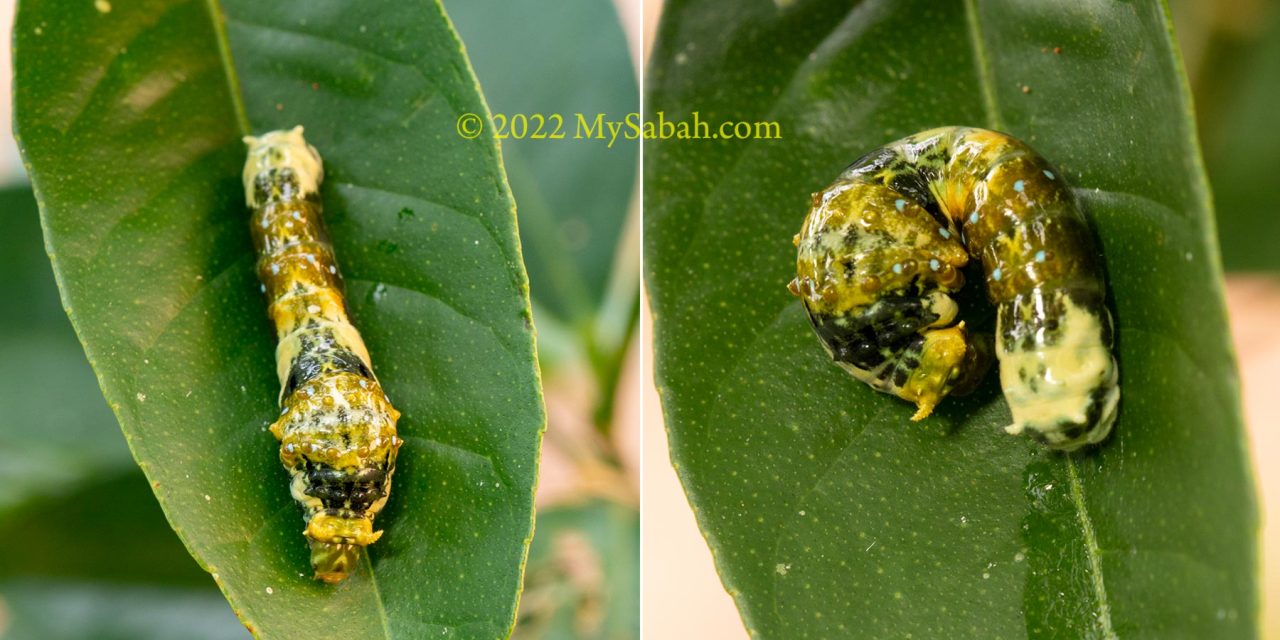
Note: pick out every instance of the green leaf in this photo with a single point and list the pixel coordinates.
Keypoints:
(53, 437)
(829, 513)
(130, 121)
(583, 579)
(573, 193)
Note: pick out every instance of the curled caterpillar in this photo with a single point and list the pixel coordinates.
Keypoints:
(337, 430)
(884, 246)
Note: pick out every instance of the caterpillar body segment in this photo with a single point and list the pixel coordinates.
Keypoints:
(337, 430)
(884, 246)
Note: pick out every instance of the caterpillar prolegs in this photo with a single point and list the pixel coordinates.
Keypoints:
(337, 430)
(883, 247)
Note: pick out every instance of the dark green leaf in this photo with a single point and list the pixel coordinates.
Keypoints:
(130, 122)
(829, 513)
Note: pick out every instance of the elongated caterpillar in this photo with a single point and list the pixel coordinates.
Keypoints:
(337, 430)
(885, 244)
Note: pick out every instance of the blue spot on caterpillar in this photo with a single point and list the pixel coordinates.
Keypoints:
(337, 430)
(892, 323)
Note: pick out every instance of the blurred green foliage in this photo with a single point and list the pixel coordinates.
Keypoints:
(578, 218)
(64, 610)
(1232, 54)
(55, 429)
(582, 580)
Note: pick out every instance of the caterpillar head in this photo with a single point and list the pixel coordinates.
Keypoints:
(278, 158)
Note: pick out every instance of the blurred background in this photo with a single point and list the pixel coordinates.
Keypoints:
(91, 554)
(1232, 53)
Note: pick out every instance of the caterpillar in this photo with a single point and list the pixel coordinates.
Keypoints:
(885, 245)
(336, 428)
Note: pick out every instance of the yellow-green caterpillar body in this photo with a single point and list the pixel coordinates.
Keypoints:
(337, 430)
(884, 246)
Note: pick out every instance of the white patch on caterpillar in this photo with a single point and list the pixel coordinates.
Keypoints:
(1075, 366)
(278, 150)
